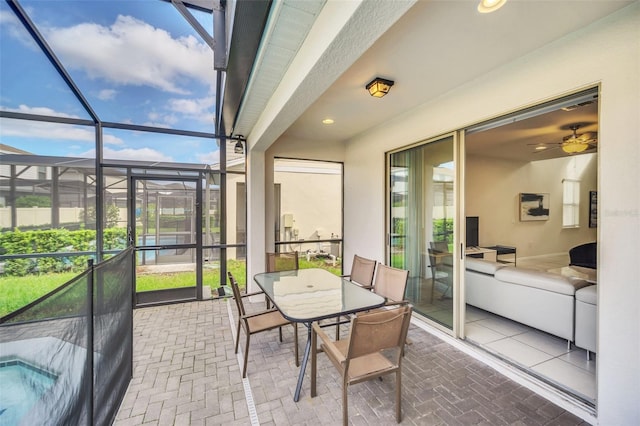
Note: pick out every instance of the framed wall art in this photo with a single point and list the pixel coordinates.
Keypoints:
(593, 209)
(534, 206)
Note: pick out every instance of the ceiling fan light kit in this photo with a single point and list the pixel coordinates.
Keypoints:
(573, 146)
(574, 143)
(488, 6)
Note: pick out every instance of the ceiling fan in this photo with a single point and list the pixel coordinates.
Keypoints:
(572, 144)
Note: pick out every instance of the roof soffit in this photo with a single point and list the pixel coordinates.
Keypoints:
(340, 34)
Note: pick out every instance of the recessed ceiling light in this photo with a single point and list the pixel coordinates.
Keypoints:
(488, 6)
(540, 147)
(328, 121)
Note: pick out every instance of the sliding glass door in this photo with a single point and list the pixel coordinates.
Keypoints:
(421, 226)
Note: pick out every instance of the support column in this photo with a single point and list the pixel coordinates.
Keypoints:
(256, 211)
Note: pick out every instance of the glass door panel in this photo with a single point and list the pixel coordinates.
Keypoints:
(422, 213)
(165, 240)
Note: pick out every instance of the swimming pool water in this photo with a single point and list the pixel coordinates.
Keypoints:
(22, 386)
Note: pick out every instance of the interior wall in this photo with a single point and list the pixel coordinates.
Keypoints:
(493, 186)
(611, 50)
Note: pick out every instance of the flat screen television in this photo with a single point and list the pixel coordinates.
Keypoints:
(472, 231)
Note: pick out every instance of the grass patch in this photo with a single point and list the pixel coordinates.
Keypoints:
(16, 292)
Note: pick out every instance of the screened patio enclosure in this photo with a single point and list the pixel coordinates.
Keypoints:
(157, 209)
(107, 143)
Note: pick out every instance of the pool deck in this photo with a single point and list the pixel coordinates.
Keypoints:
(186, 373)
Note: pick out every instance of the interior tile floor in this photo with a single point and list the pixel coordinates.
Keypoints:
(543, 355)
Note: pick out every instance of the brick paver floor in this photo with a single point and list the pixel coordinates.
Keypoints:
(186, 373)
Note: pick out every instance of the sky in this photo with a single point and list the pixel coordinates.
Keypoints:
(134, 61)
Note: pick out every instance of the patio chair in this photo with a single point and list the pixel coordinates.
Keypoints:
(439, 246)
(286, 261)
(391, 283)
(374, 349)
(257, 322)
(362, 271)
(441, 273)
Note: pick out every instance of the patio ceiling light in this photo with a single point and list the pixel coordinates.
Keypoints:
(379, 87)
(238, 149)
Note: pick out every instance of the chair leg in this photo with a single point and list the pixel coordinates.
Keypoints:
(246, 356)
(433, 289)
(237, 337)
(398, 396)
(295, 343)
(314, 360)
(345, 408)
(280, 332)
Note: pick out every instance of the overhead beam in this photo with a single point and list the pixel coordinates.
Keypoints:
(249, 21)
(184, 11)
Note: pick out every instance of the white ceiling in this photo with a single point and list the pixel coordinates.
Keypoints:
(436, 47)
(518, 141)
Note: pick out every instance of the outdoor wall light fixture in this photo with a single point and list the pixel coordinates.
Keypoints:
(238, 149)
(379, 87)
(488, 6)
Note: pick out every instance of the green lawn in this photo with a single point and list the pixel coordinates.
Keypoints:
(16, 292)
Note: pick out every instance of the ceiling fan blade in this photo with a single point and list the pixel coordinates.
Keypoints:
(538, 151)
(544, 143)
(587, 137)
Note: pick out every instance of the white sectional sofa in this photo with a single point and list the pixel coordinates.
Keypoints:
(586, 316)
(535, 298)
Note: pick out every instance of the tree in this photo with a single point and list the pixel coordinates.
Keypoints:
(112, 211)
(33, 201)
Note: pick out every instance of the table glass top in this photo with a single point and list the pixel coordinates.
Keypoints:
(313, 294)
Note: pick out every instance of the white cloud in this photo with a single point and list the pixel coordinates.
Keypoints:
(198, 109)
(9, 22)
(212, 157)
(156, 124)
(157, 119)
(25, 109)
(132, 52)
(51, 131)
(108, 139)
(107, 94)
(142, 154)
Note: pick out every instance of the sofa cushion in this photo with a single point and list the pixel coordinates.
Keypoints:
(588, 295)
(482, 266)
(540, 279)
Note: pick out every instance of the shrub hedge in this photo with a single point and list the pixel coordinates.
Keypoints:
(55, 241)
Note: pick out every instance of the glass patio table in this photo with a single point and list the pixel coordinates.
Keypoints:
(309, 295)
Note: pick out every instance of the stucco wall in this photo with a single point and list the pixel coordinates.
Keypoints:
(606, 53)
(315, 205)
